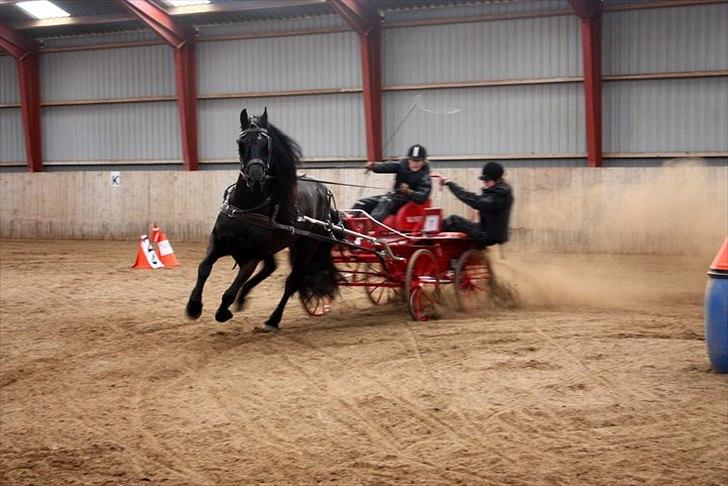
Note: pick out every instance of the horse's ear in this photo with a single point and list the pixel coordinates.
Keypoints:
(264, 118)
(244, 121)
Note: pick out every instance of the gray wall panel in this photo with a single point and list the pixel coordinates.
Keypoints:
(108, 73)
(513, 49)
(12, 142)
(277, 25)
(539, 119)
(9, 89)
(279, 63)
(476, 9)
(666, 40)
(98, 39)
(324, 125)
(141, 131)
(666, 115)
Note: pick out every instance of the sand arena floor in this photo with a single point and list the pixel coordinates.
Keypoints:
(599, 376)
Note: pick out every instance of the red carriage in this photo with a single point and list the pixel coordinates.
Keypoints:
(408, 258)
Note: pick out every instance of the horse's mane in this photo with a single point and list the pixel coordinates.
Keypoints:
(286, 154)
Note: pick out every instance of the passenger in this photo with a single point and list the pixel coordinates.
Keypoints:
(494, 205)
(412, 183)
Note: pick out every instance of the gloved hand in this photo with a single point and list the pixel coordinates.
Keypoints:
(443, 180)
(404, 188)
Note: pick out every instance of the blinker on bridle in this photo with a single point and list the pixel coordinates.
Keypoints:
(255, 129)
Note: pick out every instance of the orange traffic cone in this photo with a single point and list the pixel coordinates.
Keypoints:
(721, 259)
(166, 253)
(146, 256)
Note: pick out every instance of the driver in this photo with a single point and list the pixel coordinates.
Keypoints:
(412, 183)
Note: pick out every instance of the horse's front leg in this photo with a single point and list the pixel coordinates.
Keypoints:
(245, 270)
(269, 266)
(194, 304)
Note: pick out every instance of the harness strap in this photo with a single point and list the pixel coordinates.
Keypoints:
(262, 221)
(232, 210)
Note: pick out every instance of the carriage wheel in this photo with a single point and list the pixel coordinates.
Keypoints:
(316, 306)
(422, 285)
(349, 270)
(473, 280)
(377, 293)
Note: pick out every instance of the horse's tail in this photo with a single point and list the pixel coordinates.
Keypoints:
(322, 277)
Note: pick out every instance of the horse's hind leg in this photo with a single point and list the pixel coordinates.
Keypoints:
(246, 268)
(293, 282)
(194, 304)
(269, 266)
(299, 261)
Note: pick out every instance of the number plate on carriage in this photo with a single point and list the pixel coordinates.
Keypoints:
(432, 220)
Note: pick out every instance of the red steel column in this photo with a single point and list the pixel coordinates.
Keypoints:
(591, 38)
(29, 77)
(184, 62)
(181, 39)
(25, 52)
(372, 83)
(365, 20)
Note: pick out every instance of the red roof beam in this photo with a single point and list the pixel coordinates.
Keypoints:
(586, 9)
(360, 18)
(16, 44)
(160, 21)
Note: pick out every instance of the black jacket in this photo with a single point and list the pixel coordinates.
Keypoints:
(494, 205)
(418, 181)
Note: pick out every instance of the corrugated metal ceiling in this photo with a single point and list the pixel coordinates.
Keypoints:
(120, 19)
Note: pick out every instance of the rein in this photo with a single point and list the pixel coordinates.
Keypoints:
(304, 178)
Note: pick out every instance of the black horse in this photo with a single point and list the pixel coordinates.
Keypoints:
(268, 193)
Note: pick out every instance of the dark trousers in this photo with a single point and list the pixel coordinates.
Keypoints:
(474, 230)
(379, 207)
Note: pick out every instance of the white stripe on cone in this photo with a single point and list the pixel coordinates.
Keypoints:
(149, 253)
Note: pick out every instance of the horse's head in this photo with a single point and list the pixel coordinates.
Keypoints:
(255, 149)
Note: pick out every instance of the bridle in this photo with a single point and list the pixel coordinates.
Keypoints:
(264, 164)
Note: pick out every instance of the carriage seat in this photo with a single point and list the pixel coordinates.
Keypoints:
(409, 218)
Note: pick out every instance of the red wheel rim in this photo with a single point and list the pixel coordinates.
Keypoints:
(316, 306)
(473, 280)
(379, 293)
(423, 285)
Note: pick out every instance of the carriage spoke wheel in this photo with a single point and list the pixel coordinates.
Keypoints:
(377, 293)
(348, 269)
(422, 285)
(473, 280)
(316, 306)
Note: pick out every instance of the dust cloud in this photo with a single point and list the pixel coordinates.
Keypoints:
(623, 232)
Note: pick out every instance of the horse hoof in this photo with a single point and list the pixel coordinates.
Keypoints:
(194, 309)
(223, 315)
(265, 329)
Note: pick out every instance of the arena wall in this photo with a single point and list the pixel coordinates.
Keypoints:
(661, 210)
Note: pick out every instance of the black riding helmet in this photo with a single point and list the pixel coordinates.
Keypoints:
(417, 152)
(492, 171)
